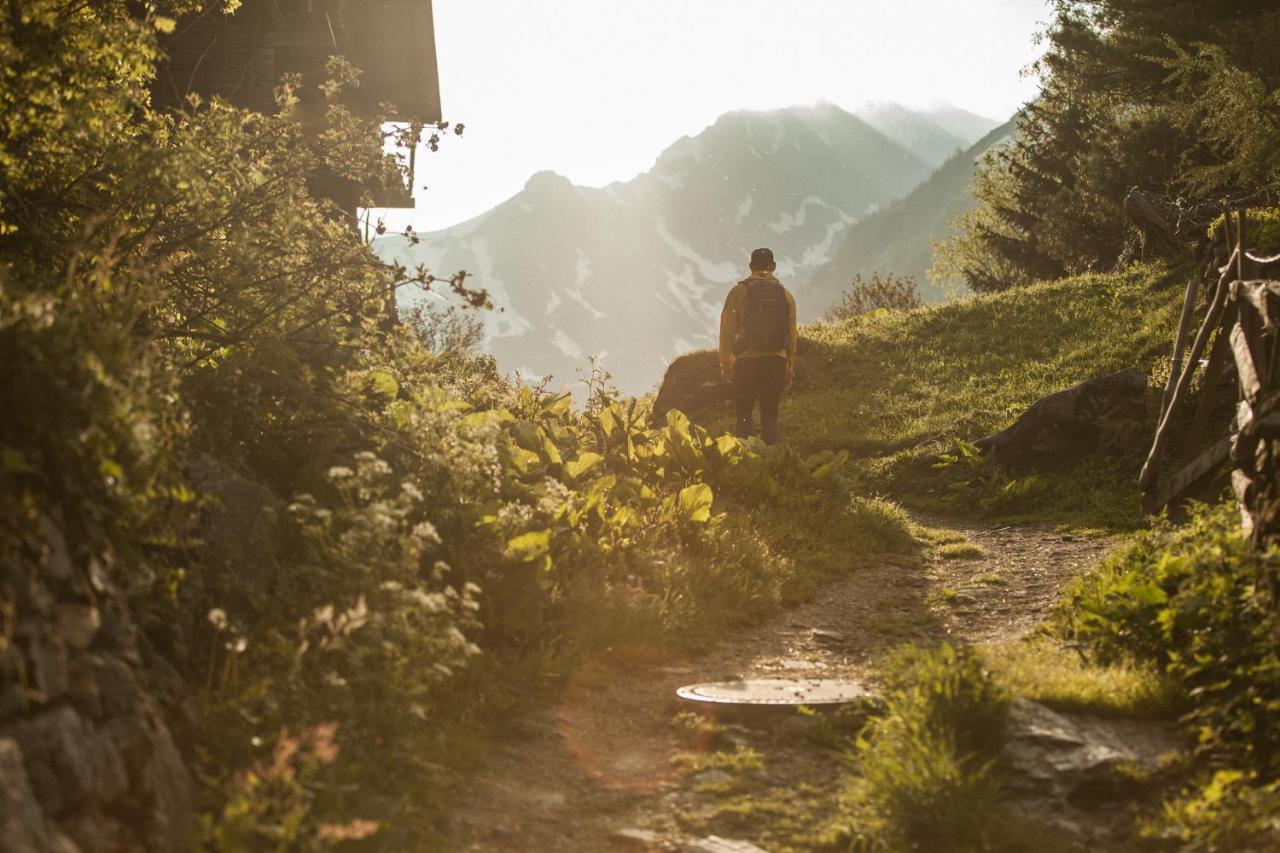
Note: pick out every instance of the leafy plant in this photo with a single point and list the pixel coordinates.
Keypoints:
(888, 293)
(1187, 600)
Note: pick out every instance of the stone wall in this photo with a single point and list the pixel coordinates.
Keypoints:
(87, 762)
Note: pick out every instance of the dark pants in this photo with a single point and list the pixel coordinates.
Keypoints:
(759, 378)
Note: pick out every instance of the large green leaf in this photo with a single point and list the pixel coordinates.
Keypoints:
(528, 547)
(826, 469)
(549, 451)
(557, 407)
(610, 419)
(524, 460)
(678, 421)
(575, 468)
(695, 502)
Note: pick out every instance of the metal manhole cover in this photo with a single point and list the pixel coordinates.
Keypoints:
(776, 691)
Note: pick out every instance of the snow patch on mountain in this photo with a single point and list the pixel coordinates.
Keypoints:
(509, 323)
(789, 221)
(566, 345)
(709, 270)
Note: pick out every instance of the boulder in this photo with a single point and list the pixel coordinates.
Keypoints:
(1107, 415)
(1080, 772)
(693, 384)
(22, 823)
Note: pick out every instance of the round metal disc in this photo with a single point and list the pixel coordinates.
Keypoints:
(776, 691)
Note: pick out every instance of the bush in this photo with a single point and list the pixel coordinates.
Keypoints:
(1262, 231)
(90, 442)
(1187, 600)
(1230, 812)
(890, 293)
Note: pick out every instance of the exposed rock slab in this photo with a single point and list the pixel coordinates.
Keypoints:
(1081, 772)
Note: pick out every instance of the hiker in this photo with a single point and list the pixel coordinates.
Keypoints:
(758, 345)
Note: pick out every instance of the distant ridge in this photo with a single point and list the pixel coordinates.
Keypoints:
(934, 135)
(898, 238)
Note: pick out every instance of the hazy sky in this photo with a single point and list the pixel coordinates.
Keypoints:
(595, 89)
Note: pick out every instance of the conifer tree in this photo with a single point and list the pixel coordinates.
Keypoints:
(1175, 98)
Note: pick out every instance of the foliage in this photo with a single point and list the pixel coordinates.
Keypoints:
(929, 768)
(445, 331)
(1263, 231)
(890, 293)
(1230, 812)
(1234, 102)
(88, 442)
(272, 804)
(172, 294)
(1134, 93)
(1187, 600)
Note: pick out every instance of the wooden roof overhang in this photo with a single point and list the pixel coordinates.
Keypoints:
(242, 56)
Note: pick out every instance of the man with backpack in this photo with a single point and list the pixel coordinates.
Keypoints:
(758, 345)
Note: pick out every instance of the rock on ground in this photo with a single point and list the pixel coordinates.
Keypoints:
(1081, 773)
(1106, 414)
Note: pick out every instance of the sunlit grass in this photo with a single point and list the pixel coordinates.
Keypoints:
(1043, 670)
(960, 551)
(899, 389)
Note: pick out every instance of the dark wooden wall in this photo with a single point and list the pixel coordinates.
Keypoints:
(242, 56)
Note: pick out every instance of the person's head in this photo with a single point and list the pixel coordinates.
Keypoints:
(762, 261)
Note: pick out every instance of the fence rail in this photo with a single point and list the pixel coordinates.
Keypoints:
(1241, 319)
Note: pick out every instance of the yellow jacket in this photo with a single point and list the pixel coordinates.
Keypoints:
(732, 320)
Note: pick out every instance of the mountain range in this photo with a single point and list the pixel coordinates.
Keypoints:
(635, 273)
(899, 237)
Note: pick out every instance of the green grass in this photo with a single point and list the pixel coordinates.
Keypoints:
(960, 551)
(1045, 671)
(898, 390)
(929, 774)
(939, 536)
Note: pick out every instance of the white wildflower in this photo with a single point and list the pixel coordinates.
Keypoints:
(425, 531)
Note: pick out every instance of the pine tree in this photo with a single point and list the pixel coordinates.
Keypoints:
(1177, 98)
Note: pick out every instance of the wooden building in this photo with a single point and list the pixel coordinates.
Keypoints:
(242, 56)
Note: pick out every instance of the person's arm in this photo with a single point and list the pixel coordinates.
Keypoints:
(728, 333)
(791, 339)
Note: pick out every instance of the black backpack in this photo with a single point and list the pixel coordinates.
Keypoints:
(766, 318)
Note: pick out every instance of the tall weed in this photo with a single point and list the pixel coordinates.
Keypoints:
(930, 775)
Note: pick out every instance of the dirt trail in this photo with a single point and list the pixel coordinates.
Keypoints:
(607, 761)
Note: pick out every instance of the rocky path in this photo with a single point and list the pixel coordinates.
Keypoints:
(614, 765)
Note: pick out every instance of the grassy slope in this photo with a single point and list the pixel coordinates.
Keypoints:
(897, 390)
